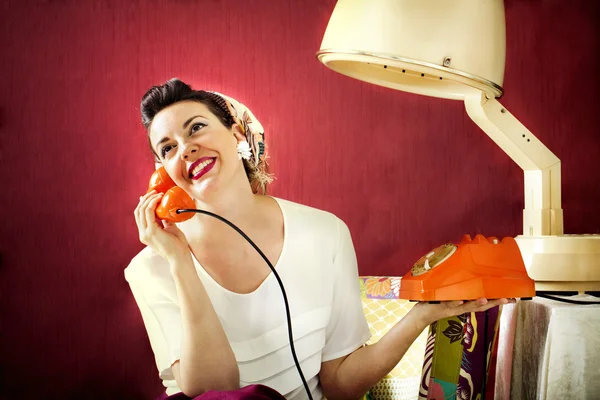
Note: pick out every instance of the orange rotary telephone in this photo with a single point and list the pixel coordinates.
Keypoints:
(175, 198)
(481, 267)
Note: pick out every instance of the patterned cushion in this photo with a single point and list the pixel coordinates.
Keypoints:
(383, 309)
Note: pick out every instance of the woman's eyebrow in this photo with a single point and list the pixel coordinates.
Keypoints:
(186, 123)
(165, 139)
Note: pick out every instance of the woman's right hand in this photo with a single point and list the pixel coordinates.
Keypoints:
(162, 236)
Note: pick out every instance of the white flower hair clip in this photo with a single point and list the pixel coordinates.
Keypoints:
(243, 150)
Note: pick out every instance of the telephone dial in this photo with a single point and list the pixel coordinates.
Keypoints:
(475, 268)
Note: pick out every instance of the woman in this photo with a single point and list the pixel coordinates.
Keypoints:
(214, 313)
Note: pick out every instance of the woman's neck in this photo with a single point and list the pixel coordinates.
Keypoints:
(237, 204)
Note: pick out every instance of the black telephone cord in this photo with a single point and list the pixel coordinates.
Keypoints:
(285, 300)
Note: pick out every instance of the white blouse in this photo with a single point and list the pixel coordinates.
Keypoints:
(319, 271)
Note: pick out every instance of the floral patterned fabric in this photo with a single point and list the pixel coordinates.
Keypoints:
(252, 128)
(458, 356)
(383, 309)
(447, 361)
(380, 287)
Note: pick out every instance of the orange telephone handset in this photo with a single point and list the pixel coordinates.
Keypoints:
(175, 198)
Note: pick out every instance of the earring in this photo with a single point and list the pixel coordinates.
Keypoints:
(243, 150)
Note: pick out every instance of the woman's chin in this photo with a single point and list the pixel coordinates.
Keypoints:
(205, 190)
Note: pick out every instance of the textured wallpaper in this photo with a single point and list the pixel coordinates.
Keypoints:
(407, 173)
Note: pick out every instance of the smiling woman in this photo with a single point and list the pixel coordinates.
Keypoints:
(173, 91)
(213, 310)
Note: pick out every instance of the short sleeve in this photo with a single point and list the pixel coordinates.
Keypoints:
(348, 328)
(154, 291)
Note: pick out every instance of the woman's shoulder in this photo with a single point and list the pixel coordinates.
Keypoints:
(147, 265)
(303, 218)
(307, 213)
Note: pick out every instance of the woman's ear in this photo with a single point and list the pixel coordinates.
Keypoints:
(238, 133)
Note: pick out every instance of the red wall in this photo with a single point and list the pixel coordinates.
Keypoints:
(406, 173)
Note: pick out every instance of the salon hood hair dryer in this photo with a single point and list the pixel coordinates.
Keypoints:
(455, 49)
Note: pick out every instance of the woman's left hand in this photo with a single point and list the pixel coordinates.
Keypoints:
(429, 313)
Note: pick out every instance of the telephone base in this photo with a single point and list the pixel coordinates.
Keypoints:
(476, 268)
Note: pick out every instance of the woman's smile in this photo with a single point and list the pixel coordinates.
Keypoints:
(201, 166)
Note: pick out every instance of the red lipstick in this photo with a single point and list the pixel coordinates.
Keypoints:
(200, 167)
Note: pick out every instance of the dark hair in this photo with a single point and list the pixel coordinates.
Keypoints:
(160, 97)
(173, 91)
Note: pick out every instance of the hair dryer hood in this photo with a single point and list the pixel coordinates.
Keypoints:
(440, 48)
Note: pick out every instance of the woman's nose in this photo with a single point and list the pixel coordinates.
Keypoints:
(189, 152)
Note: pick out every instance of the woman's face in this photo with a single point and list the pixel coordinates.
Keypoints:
(197, 151)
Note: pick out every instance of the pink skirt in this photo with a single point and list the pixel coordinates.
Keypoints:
(252, 392)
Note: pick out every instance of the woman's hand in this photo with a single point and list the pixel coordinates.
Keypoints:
(429, 313)
(162, 236)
